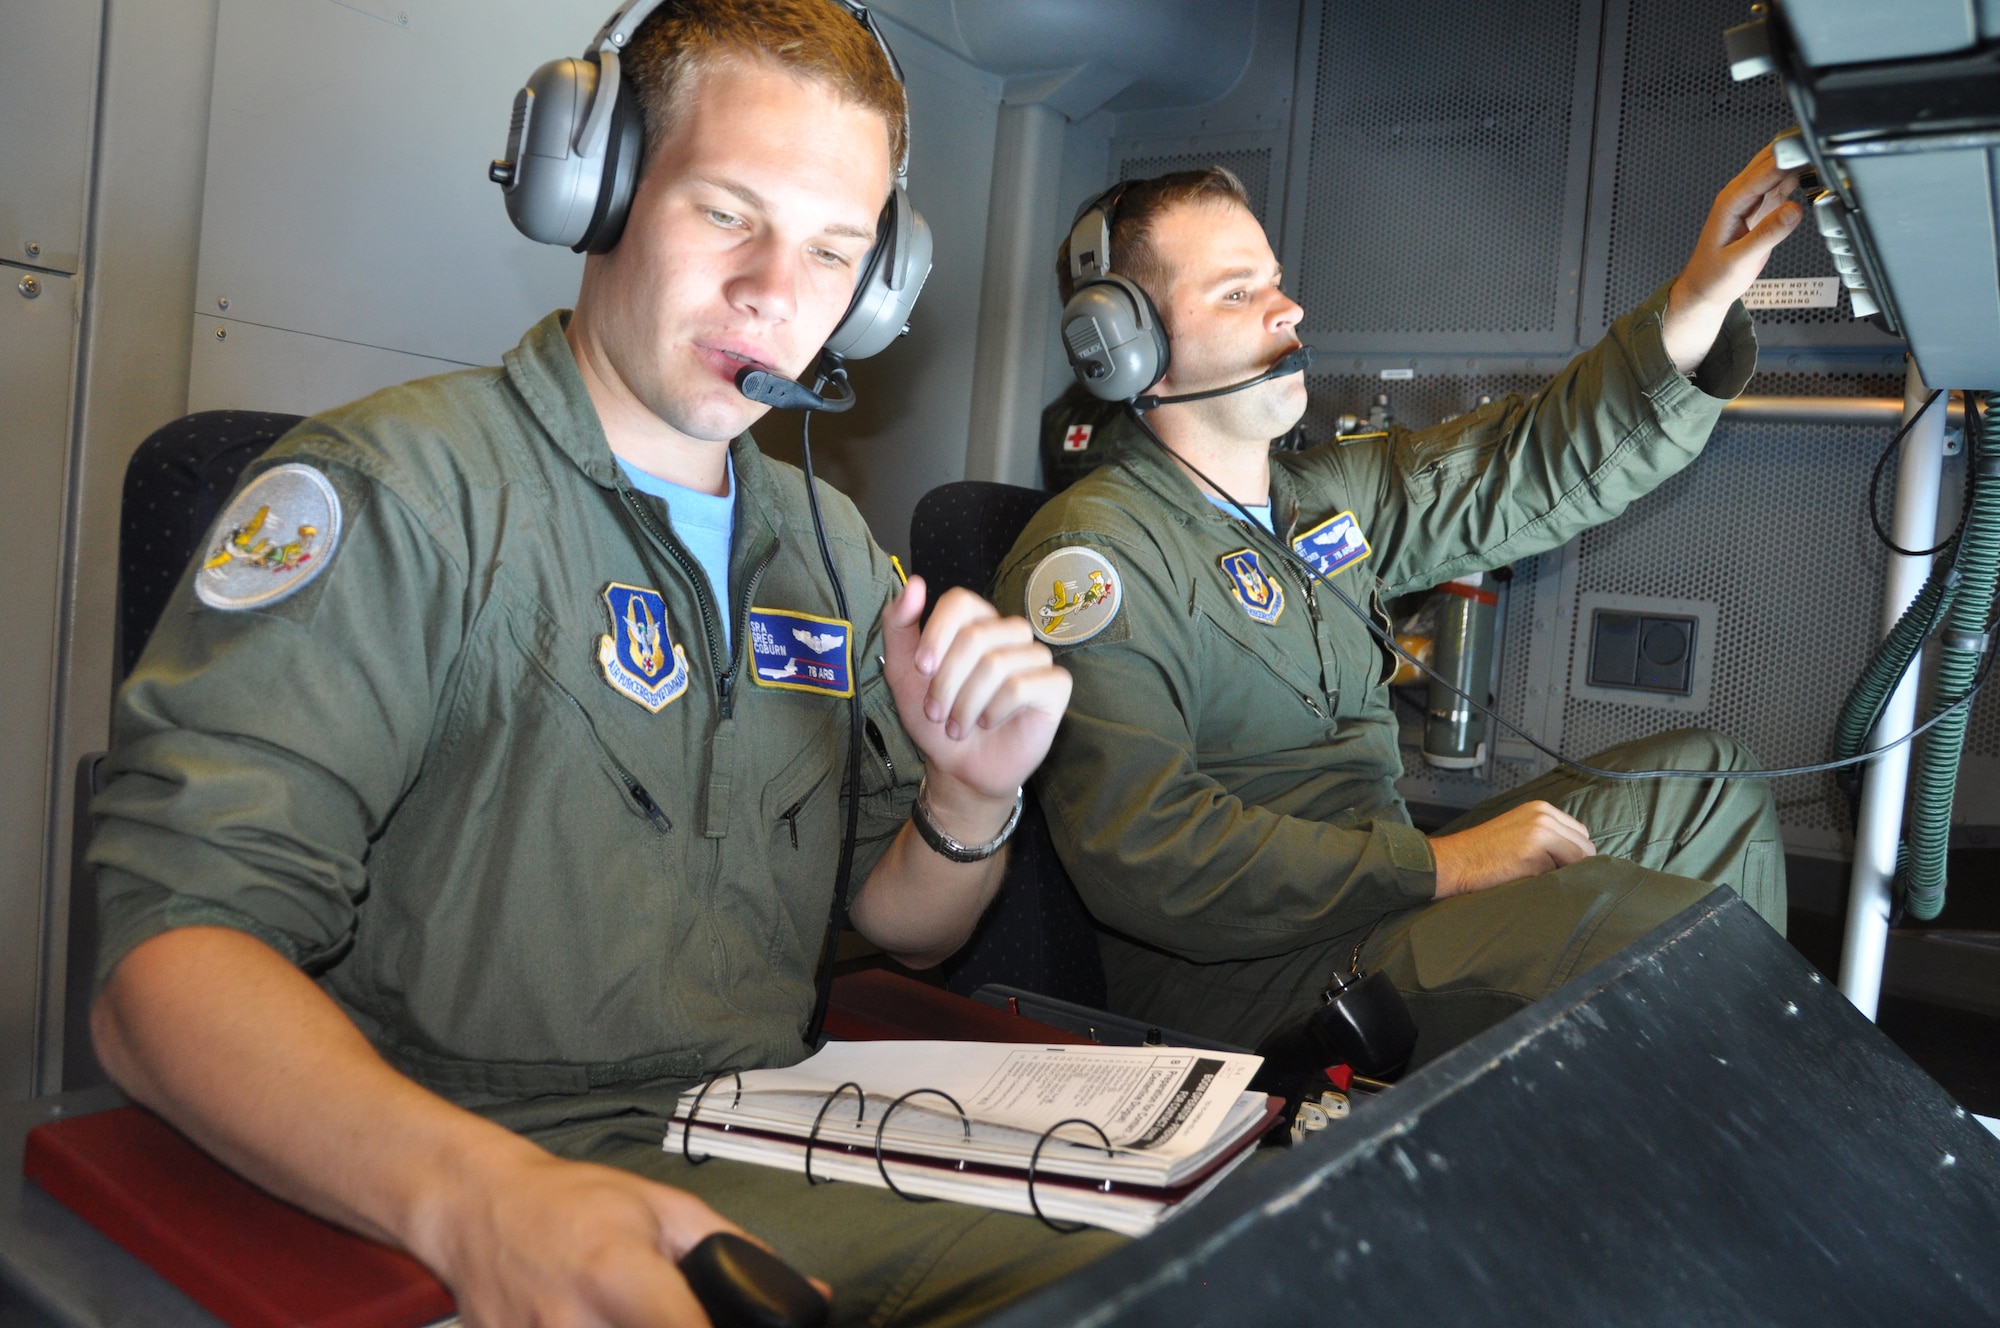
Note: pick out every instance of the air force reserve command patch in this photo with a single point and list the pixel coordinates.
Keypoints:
(272, 541)
(801, 653)
(1332, 545)
(1072, 595)
(638, 657)
(1260, 595)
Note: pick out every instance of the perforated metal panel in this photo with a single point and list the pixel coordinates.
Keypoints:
(1770, 523)
(1682, 130)
(1251, 165)
(1440, 194)
(1416, 403)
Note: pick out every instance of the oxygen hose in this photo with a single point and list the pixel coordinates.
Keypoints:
(1961, 648)
(1892, 660)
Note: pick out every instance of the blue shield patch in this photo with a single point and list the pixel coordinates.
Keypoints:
(1261, 596)
(801, 652)
(638, 657)
(1333, 544)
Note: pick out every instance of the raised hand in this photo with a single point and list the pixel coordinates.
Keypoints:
(1750, 217)
(979, 695)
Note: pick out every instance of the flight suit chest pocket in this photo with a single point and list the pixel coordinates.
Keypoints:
(800, 823)
(1265, 672)
(582, 707)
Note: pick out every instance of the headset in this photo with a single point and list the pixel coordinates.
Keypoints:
(573, 154)
(1110, 329)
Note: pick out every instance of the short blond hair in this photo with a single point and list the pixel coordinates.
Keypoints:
(810, 39)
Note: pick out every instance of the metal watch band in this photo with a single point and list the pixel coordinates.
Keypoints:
(920, 817)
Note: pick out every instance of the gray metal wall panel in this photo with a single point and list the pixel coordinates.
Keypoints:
(347, 194)
(48, 93)
(35, 378)
(249, 367)
(1444, 201)
(1672, 130)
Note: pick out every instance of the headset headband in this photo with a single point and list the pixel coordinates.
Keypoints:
(1090, 246)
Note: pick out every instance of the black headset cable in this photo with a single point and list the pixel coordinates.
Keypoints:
(823, 987)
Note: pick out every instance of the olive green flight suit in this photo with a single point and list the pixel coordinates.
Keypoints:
(415, 778)
(1222, 788)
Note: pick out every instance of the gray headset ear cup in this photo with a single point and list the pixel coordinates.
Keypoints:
(1113, 338)
(554, 191)
(619, 176)
(890, 282)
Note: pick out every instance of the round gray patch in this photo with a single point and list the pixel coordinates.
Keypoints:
(271, 541)
(1072, 595)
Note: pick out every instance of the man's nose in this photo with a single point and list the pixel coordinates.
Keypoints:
(766, 283)
(1286, 314)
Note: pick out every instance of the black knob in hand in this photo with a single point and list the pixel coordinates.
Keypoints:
(743, 1285)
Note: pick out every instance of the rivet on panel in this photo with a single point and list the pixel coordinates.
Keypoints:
(222, 334)
(222, 301)
(30, 286)
(34, 248)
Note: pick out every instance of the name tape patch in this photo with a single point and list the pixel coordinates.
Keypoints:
(802, 652)
(638, 656)
(1332, 545)
(1261, 596)
(1072, 595)
(272, 541)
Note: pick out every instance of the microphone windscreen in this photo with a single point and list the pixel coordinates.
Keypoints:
(1297, 361)
(769, 389)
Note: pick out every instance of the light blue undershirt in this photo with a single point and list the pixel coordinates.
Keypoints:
(1263, 514)
(704, 522)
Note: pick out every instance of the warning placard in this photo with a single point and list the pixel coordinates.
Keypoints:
(1793, 293)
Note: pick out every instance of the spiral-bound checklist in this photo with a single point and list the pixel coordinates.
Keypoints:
(1114, 1137)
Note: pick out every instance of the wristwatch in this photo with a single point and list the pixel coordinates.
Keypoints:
(920, 817)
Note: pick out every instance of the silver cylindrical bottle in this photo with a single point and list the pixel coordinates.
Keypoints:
(1454, 732)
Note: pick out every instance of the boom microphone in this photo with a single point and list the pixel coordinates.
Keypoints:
(773, 389)
(1296, 360)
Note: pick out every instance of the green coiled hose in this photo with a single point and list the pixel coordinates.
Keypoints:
(1962, 646)
(1879, 680)
(1957, 596)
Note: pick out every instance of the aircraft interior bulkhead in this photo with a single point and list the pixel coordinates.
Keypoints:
(1441, 770)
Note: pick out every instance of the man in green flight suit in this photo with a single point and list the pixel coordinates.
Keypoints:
(481, 787)
(1222, 789)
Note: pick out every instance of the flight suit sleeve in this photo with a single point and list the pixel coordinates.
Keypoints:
(257, 752)
(1160, 851)
(1521, 476)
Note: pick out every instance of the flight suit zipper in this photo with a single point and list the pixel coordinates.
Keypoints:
(790, 816)
(644, 800)
(881, 747)
(1308, 583)
(711, 630)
